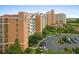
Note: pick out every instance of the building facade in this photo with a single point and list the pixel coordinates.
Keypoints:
(60, 19)
(13, 27)
(44, 20)
(31, 24)
(50, 18)
(38, 23)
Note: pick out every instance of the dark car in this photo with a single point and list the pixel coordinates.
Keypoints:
(42, 44)
(77, 39)
(73, 40)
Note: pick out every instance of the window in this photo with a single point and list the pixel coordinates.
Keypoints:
(16, 25)
(0, 26)
(6, 39)
(5, 20)
(0, 45)
(0, 20)
(16, 30)
(6, 46)
(17, 35)
(0, 39)
(0, 31)
(5, 25)
(6, 28)
(5, 33)
(16, 20)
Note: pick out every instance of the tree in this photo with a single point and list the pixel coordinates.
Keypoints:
(45, 32)
(65, 39)
(15, 48)
(49, 30)
(34, 39)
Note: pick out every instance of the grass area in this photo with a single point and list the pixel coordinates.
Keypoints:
(68, 28)
(74, 25)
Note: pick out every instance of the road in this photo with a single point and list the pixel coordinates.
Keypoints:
(53, 45)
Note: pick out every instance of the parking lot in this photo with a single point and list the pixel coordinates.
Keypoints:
(51, 42)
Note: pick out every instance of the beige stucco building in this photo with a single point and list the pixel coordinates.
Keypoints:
(60, 19)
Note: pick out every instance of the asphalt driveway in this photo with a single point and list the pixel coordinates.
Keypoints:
(53, 45)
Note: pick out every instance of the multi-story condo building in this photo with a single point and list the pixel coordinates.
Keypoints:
(38, 23)
(13, 27)
(50, 18)
(31, 24)
(60, 19)
(20, 26)
(44, 20)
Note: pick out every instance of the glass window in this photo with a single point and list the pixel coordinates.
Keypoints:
(16, 30)
(16, 25)
(17, 35)
(0, 20)
(6, 46)
(0, 25)
(1, 40)
(16, 20)
(0, 45)
(5, 33)
(5, 25)
(0, 31)
(6, 39)
(5, 20)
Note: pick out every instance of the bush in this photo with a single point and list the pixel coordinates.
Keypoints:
(39, 51)
(68, 50)
(54, 52)
(29, 51)
(61, 42)
(33, 51)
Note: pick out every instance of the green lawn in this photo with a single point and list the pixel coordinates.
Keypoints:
(73, 24)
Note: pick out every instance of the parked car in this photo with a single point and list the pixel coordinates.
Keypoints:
(73, 40)
(69, 40)
(77, 39)
(43, 45)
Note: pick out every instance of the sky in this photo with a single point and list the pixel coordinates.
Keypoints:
(71, 11)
